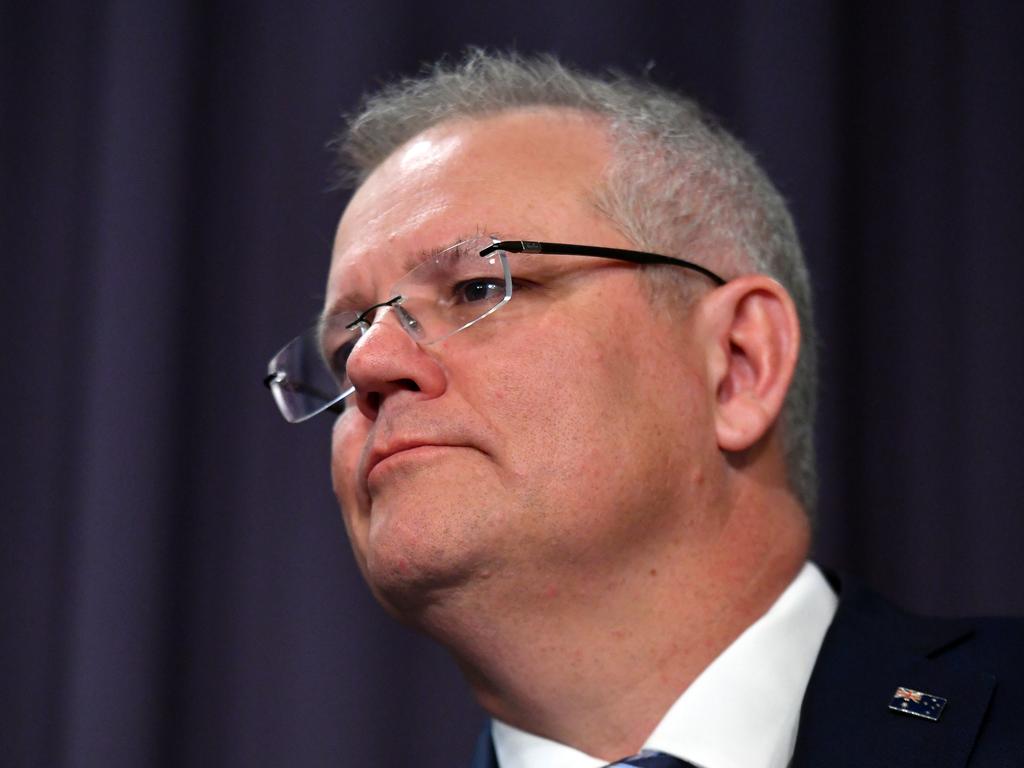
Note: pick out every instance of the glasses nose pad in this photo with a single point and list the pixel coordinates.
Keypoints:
(373, 330)
(374, 315)
(407, 320)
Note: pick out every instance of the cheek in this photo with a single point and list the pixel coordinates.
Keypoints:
(347, 440)
(552, 394)
(592, 404)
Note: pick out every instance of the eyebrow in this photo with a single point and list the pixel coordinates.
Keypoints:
(409, 261)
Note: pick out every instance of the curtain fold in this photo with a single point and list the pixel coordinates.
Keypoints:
(177, 584)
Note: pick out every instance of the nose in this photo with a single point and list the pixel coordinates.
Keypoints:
(387, 363)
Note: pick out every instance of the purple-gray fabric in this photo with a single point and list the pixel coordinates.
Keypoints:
(176, 584)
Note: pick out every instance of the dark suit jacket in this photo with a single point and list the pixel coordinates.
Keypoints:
(872, 648)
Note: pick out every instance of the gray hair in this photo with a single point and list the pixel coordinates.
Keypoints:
(677, 183)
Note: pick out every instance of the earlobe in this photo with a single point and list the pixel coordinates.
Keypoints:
(756, 340)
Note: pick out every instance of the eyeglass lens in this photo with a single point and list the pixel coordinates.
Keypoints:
(446, 293)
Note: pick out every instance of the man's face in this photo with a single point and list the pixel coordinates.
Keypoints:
(561, 435)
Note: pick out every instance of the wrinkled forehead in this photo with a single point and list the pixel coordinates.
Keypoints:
(520, 174)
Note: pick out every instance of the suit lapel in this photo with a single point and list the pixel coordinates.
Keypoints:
(871, 649)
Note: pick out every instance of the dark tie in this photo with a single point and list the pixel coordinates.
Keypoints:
(650, 759)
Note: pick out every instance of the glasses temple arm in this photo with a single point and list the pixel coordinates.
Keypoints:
(566, 249)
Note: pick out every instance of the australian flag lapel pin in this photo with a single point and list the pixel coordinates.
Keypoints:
(911, 702)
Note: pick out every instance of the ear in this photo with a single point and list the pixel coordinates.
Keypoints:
(753, 343)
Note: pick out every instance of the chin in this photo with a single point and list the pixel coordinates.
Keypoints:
(428, 537)
(407, 586)
(410, 566)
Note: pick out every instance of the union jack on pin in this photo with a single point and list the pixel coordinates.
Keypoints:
(911, 702)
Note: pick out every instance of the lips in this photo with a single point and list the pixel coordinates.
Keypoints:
(379, 454)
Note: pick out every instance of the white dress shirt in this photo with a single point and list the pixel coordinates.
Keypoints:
(742, 711)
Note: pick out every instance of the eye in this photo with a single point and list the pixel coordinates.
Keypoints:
(479, 289)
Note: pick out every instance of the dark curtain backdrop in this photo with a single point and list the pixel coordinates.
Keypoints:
(177, 588)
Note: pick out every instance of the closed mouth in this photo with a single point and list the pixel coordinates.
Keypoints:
(406, 450)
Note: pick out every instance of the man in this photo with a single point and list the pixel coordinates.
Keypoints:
(568, 338)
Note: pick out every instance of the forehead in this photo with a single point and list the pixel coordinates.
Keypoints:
(529, 174)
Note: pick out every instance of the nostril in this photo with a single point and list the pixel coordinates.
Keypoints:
(370, 402)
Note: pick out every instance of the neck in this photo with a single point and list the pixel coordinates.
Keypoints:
(594, 662)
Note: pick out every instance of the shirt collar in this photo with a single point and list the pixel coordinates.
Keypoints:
(741, 711)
